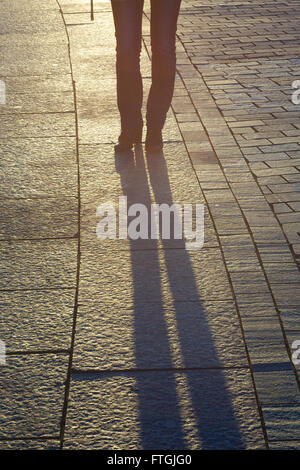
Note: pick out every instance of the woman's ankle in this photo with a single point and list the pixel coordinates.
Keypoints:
(154, 140)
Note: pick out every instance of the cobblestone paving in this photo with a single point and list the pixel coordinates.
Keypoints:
(248, 60)
(143, 345)
(243, 57)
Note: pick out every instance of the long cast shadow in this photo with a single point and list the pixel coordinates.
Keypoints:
(163, 423)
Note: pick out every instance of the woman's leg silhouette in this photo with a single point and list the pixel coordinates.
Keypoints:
(164, 15)
(128, 26)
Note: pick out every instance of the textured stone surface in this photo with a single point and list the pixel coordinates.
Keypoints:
(36, 444)
(38, 125)
(290, 317)
(35, 386)
(152, 335)
(106, 176)
(163, 410)
(282, 423)
(38, 103)
(35, 84)
(97, 111)
(31, 20)
(284, 445)
(38, 167)
(37, 265)
(276, 387)
(33, 218)
(143, 180)
(37, 320)
(34, 58)
(17, 5)
(153, 276)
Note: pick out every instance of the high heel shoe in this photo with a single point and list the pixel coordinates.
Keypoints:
(127, 139)
(154, 141)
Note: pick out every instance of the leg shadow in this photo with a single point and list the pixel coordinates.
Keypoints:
(211, 401)
(176, 397)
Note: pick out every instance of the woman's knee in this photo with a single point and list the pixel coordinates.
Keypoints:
(128, 54)
(164, 58)
(164, 49)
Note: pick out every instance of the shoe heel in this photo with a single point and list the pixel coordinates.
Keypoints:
(127, 139)
(154, 141)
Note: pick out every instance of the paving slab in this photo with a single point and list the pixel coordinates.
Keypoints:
(38, 167)
(152, 276)
(38, 125)
(38, 218)
(284, 445)
(36, 320)
(163, 410)
(38, 264)
(34, 59)
(38, 103)
(282, 422)
(290, 318)
(36, 444)
(31, 20)
(35, 386)
(152, 335)
(17, 5)
(39, 84)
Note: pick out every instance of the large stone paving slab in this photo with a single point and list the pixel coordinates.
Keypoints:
(290, 317)
(18, 5)
(32, 394)
(157, 335)
(145, 275)
(135, 167)
(38, 103)
(38, 125)
(39, 264)
(31, 20)
(36, 320)
(277, 386)
(18, 40)
(36, 84)
(37, 444)
(105, 177)
(77, 6)
(38, 167)
(284, 445)
(137, 173)
(97, 110)
(163, 410)
(38, 218)
(34, 59)
(282, 422)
